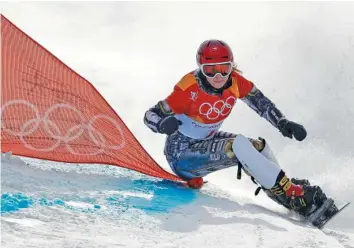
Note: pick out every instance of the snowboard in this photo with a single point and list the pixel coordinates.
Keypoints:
(325, 213)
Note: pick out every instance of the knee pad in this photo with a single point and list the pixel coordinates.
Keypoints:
(263, 147)
(255, 161)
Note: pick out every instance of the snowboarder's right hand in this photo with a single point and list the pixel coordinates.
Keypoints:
(168, 125)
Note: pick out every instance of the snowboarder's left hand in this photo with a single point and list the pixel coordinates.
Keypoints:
(290, 129)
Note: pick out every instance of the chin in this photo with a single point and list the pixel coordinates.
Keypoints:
(218, 85)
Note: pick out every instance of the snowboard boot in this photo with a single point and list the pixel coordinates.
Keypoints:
(296, 194)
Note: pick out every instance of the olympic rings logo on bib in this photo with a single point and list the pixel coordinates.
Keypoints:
(54, 132)
(219, 108)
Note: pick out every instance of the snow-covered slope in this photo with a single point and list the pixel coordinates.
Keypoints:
(300, 54)
(56, 205)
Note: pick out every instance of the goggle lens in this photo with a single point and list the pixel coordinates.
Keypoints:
(213, 69)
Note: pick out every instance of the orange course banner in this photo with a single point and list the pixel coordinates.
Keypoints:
(50, 112)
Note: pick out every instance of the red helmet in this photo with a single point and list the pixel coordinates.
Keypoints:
(214, 51)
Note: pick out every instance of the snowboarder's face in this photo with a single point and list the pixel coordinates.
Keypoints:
(218, 81)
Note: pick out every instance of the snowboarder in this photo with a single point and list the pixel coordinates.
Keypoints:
(193, 113)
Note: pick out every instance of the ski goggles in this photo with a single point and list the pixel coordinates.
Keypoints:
(211, 70)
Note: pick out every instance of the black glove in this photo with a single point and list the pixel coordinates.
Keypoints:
(290, 129)
(168, 125)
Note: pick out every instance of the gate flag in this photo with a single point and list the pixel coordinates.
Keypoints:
(50, 112)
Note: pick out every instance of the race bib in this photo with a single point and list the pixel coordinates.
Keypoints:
(196, 130)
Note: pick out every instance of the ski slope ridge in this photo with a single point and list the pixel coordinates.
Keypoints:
(46, 204)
